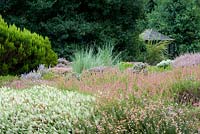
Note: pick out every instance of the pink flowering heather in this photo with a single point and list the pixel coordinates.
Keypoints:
(187, 60)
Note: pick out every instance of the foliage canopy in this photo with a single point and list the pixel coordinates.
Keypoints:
(71, 23)
(178, 19)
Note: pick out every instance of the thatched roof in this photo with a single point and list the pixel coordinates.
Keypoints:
(152, 35)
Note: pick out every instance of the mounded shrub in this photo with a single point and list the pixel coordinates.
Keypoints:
(42, 109)
(22, 51)
(187, 60)
(164, 63)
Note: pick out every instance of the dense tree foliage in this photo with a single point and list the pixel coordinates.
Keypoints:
(150, 6)
(22, 51)
(73, 23)
(178, 19)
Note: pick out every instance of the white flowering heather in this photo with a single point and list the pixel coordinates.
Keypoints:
(187, 60)
(164, 63)
(42, 109)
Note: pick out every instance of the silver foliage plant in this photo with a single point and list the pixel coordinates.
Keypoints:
(164, 63)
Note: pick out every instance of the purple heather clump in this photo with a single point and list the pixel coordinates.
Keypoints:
(185, 60)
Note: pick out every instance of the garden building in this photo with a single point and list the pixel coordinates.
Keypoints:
(152, 35)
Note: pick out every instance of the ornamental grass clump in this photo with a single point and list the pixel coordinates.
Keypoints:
(187, 60)
(87, 59)
(42, 109)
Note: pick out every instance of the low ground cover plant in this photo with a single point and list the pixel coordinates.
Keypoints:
(125, 65)
(141, 117)
(42, 72)
(164, 63)
(6, 79)
(186, 91)
(42, 109)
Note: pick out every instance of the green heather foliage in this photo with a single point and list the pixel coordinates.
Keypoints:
(156, 69)
(7, 79)
(72, 23)
(22, 51)
(186, 91)
(125, 65)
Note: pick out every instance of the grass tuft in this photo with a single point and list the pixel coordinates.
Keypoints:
(87, 59)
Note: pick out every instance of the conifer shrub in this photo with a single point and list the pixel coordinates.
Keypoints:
(22, 51)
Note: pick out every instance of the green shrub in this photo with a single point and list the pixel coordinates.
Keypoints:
(158, 69)
(22, 51)
(155, 52)
(87, 59)
(124, 65)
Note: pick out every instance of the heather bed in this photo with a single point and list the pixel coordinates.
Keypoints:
(112, 101)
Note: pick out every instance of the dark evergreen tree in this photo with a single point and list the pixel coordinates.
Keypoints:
(150, 6)
(74, 23)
